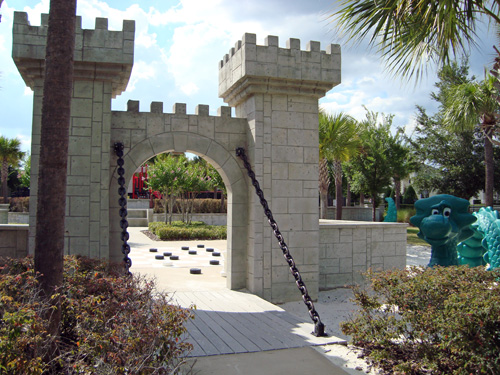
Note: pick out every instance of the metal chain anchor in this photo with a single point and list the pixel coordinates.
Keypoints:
(122, 191)
(319, 327)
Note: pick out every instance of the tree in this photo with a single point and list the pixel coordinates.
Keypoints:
(10, 155)
(25, 175)
(369, 171)
(56, 111)
(451, 141)
(400, 162)
(338, 143)
(409, 34)
(165, 176)
(472, 104)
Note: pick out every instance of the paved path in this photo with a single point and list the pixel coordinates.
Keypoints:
(226, 321)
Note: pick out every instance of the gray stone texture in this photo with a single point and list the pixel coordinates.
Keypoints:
(275, 94)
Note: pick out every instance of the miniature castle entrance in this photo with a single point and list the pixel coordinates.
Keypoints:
(275, 94)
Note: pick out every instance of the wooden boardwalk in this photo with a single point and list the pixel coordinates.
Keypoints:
(228, 322)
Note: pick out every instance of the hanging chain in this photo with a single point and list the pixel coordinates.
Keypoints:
(319, 327)
(122, 191)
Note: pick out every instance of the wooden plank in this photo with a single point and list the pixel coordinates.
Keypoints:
(210, 334)
(241, 343)
(207, 347)
(278, 329)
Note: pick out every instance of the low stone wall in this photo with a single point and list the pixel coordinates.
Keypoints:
(19, 217)
(210, 219)
(348, 248)
(13, 240)
(357, 213)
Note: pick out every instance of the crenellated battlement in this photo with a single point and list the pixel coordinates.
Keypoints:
(180, 109)
(100, 54)
(249, 68)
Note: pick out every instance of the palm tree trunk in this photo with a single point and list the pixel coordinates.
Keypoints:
(361, 199)
(348, 195)
(56, 115)
(374, 207)
(324, 182)
(489, 166)
(338, 189)
(397, 188)
(5, 176)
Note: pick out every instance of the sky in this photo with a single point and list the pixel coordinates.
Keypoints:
(179, 43)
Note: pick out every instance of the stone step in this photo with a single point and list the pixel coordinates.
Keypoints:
(136, 213)
(137, 222)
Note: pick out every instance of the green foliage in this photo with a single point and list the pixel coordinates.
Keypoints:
(110, 324)
(404, 214)
(197, 230)
(200, 206)
(430, 321)
(409, 196)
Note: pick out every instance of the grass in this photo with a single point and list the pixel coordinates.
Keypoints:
(412, 238)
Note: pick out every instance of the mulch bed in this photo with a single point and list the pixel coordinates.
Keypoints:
(150, 235)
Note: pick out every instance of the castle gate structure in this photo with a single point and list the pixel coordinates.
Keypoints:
(274, 92)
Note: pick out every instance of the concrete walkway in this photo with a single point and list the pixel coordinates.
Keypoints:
(234, 332)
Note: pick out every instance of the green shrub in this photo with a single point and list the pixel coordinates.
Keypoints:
(181, 231)
(430, 321)
(110, 324)
(404, 214)
(19, 204)
(200, 206)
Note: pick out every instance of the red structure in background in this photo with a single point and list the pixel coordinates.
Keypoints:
(139, 186)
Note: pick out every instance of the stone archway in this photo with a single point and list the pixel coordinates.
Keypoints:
(274, 92)
(234, 179)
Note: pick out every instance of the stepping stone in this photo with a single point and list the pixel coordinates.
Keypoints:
(159, 257)
(167, 253)
(195, 271)
(185, 247)
(192, 252)
(214, 262)
(153, 250)
(174, 257)
(200, 246)
(210, 250)
(216, 254)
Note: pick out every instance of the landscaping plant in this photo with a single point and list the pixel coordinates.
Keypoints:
(110, 324)
(430, 321)
(196, 230)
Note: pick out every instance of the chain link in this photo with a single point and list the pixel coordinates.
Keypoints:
(122, 201)
(319, 327)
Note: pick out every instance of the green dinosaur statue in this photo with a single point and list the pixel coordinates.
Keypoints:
(392, 212)
(443, 221)
(471, 251)
(489, 226)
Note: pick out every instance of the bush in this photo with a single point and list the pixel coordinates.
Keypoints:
(404, 214)
(197, 230)
(200, 206)
(19, 204)
(110, 324)
(430, 321)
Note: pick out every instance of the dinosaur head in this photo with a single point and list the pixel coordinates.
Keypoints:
(443, 218)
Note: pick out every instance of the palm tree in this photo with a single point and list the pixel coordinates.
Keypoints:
(56, 111)
(473, 104)
(409, 34)
(338, 142)
(399, 162)
(10, 154)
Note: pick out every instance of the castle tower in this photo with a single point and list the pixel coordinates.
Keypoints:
(277, 91)
(102, 65)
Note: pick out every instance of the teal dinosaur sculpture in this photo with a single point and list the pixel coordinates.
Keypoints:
(443, 222)
(392, 212)
(489, 226)
(471, 251)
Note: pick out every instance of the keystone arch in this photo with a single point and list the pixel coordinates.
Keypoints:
(234, 178)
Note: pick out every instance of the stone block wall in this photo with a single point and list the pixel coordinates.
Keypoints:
(277, 90)
(346, 249)
(13, 240)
